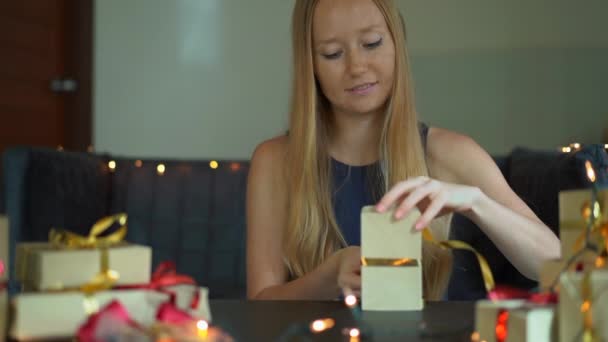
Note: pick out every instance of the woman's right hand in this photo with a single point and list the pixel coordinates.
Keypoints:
(349, 269)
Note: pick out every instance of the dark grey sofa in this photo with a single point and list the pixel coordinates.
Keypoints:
(195, 215)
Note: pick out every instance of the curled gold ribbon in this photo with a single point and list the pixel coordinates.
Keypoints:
(403, 262)
(486, 271)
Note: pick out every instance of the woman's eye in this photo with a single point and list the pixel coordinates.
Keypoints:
(335, 55)
(374, 44)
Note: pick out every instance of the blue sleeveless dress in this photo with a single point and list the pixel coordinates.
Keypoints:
(354, 188)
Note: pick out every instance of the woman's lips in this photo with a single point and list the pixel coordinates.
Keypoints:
(363, 89)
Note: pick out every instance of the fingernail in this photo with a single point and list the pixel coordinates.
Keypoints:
(419, 225)
(398, 214)
(380, 208)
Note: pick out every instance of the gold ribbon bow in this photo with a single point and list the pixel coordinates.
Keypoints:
(106, 278)
(65, 239)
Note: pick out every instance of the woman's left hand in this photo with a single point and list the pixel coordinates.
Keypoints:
(432, 197)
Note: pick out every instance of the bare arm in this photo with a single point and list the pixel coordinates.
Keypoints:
(267, 275)
(519, 234)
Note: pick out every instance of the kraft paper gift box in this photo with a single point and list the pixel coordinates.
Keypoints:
(486, 314)
(532, 324)
(572, 223)
(60, 314)
(41, 266)
(571, 303)
(385, 241)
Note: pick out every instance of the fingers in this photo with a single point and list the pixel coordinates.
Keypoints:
(428, 189)
(432, 210)
(397, 191)
(350, 282)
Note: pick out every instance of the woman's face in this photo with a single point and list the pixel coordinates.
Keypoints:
(354, 55)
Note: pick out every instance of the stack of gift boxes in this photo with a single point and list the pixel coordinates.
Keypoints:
(69, 281)
(578, 282)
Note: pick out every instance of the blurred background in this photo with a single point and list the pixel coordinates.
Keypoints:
(211, 78)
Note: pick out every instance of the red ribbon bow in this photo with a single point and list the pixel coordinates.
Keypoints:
(165, 275)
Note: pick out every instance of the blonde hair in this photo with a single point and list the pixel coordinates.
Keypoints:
(312, 233)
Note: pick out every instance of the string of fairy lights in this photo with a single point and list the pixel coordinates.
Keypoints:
(161, 167)
(575, 147)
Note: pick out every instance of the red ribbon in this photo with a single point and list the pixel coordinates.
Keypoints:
(506, 292)
(117, 315)
(166, 275)
(114, 313)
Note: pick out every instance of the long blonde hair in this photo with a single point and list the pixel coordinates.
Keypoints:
(312, 233)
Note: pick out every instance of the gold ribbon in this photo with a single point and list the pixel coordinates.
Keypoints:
(589, 334)
(486, 271)
(62, 238)
(403, 262)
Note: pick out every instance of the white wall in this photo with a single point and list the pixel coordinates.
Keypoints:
(211, 78)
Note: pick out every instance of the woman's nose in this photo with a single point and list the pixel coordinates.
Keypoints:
(356, 63)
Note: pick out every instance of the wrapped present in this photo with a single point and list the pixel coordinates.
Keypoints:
(531, 323)
(59, 315)
(114, 322)
(68, 260)
(583, 306)
(391, 272)
(514, 320)
(576, 210)
(488, 316)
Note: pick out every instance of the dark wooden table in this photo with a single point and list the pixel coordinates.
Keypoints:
(289, 321)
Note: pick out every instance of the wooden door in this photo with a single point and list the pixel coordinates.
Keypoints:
(45, 73)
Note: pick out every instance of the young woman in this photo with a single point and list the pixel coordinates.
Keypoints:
(354, 140)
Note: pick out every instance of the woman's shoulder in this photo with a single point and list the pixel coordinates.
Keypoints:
(272, 149)
(451, 154)
(268, 159)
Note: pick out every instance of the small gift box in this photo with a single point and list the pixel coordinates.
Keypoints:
(42, 266)
(583, 305)
(69, 261)
(575, 210)
(487, 316)
(391, 272)
(59, 315)
(532, 324)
